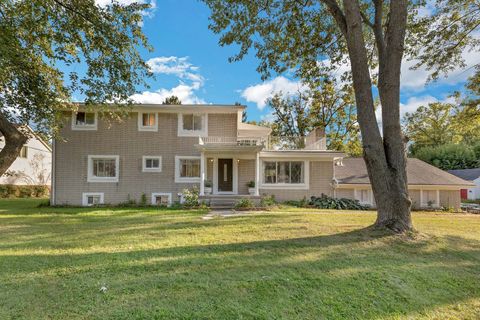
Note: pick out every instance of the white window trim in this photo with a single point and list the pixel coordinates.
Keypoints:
(144, 164)
(356, 196)
(193, 133)
(84, 127)
(179, 179)
(155, 194)
(141, 127)
(286, 186)
(425, 204)
(85, 196)
(92, 178)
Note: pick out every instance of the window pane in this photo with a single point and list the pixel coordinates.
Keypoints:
(89, 118)
(190, 168)
(104, 168)
(197, 122)
(188, 122)
(161, 200)
(85, 118)
(296, 172)
(152, 163)
(80, 118)
(92, 200)
(148, 119)
(270, 175)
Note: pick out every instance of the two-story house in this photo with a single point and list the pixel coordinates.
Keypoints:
(160, 150)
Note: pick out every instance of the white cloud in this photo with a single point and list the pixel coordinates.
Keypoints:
(148, 13)
(260, 93)
(178, 66)
(413, 104)
(186, 94)
(415, 80)
(190, 81)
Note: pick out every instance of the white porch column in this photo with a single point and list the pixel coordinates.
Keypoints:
(202, 174)
(257, 175)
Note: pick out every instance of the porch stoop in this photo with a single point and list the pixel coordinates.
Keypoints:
(227, 201)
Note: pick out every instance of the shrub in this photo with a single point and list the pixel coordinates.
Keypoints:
(244, 203)
(268, 201)
(326, 202)
(190, 197)
(450, 156)
(298, 203)
(143, 199)
(23, 191)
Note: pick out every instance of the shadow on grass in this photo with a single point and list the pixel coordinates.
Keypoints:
(357, 274)
(195, 269)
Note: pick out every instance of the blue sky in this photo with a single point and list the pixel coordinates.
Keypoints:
(189, 63)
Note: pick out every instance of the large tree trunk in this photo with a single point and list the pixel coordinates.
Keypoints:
(385, 157)
(14, 141)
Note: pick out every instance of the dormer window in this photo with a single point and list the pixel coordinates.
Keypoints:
(84, 120)
(147, 121)
(192, 125)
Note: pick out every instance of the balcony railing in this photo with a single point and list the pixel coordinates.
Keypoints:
(271, 143)
(237, 141)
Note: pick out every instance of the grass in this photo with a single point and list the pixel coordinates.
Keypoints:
(286, 264)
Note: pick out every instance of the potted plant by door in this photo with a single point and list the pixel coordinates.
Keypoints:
(208, 187)
(251, 187)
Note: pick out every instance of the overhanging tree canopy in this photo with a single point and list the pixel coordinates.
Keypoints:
(40, 38)
(316, 37)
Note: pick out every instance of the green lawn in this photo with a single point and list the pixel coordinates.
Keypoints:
(286, 264)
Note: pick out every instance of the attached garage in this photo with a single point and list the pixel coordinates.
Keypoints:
(429, 187)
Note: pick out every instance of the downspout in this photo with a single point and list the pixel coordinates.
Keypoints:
(53, 175)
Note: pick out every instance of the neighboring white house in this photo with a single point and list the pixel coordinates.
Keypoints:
(32, 166)
(472, 175)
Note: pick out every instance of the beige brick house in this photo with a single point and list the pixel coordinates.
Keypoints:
(160, 150)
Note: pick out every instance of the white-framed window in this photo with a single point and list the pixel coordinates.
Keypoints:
(430, 198)
(147, 121)
(152, 164)
(192, 124)
(187, 169)
(103, 168)
(92, 198)
(364, 196)
(83, 120)
(284, 174)
(24, 152)
(161, 199)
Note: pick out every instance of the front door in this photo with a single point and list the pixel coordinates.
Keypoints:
(225, 175)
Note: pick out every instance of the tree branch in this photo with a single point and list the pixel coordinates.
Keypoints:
(337, 14)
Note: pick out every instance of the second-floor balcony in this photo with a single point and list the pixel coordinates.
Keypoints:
(270, 143)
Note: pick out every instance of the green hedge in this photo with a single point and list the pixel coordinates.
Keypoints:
(14, 191)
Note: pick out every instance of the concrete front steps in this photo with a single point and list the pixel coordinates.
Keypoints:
(227, 201)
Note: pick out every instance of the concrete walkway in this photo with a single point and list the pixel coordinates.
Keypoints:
(224, 213)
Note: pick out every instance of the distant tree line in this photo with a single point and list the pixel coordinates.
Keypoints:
(447, 135)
